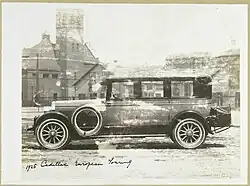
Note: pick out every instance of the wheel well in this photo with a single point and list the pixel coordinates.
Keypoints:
(46, 116)
(192, 115)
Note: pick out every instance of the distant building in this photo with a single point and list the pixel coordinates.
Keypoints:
(67, 69)
(224, 68)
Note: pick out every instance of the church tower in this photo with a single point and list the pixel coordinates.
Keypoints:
(69, 38)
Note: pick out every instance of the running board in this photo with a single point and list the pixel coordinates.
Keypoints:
(127, 136)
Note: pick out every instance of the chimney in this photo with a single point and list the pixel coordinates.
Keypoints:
(45, 36)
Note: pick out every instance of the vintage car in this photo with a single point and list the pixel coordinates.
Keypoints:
(178, 107)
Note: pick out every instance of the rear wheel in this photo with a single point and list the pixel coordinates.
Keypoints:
(52, 134)
(189, 133)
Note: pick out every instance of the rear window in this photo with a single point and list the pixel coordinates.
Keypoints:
(181, 88)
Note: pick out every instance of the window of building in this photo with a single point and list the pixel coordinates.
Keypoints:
(55, 96)
(33, 74)
(72, 19)
(55, 76)
(82, 96)
(74, 75)
(182, 88)
(93, 95)
(152, 89)
(73, 47)
(102, 95)
(92, 75)
(77, 47)
(45, 75)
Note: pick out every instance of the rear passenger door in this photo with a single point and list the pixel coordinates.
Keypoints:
(153, 108)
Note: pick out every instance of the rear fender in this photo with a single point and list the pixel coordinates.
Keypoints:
(190, 114)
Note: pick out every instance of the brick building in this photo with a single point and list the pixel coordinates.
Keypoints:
(66, 69)
(79, 73)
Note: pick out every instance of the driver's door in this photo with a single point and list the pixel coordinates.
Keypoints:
(121, 109)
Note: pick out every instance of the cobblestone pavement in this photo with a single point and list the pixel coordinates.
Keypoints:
(157, 158)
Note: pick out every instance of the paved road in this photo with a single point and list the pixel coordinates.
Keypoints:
(154, 158)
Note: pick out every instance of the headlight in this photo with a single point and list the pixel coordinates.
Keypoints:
(50, 108)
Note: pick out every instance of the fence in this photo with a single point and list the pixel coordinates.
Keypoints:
(46, 101)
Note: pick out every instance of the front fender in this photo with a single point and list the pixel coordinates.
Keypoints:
(49, 115)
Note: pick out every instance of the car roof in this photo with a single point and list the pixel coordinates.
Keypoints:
(161, 77)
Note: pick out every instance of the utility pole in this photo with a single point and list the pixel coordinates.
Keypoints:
(37, 77)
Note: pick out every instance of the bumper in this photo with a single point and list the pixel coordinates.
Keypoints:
(219, 118)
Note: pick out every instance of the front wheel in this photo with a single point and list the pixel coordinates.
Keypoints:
(189, 133)
(52, 134)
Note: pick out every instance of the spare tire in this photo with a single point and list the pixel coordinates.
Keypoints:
(87, 121)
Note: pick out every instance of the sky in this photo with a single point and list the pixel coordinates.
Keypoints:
(134, 34)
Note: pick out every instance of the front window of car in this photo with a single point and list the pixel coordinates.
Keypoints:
(122, 90)
(182, 88)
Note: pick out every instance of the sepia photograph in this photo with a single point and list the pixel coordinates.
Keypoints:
(125, 93)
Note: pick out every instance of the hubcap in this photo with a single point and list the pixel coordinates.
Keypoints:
(52, 133)
(189, 133)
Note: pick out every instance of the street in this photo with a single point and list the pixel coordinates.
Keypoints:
(150, 158)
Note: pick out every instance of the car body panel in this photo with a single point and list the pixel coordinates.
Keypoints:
(144, 116)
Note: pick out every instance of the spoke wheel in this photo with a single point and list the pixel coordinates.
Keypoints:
(52, 134)
(189, 133)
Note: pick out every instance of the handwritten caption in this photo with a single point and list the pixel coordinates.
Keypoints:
(77, 163)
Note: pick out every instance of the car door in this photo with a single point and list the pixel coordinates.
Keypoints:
(153, 107)
(122, 109)
(135, 113)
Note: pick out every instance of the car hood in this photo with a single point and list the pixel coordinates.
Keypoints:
(76, 103)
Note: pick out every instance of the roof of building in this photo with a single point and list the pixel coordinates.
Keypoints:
(168, 71)
(49, 60)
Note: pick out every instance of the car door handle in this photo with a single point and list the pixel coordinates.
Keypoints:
(135, 104)
(108, 104)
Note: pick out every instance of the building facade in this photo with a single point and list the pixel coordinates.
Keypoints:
(224, 69)
(62, 70)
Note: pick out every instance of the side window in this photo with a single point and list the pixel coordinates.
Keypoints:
(181, 88)
(122, 90)
(152, 89)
